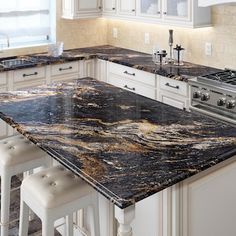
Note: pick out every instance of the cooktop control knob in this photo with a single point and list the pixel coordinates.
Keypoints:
(230, 104)
(221, 102)
(205, 96)
(197, 94)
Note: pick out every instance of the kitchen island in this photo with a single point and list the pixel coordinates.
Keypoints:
(126, 146)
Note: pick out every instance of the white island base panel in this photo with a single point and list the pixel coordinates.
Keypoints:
(204, 205)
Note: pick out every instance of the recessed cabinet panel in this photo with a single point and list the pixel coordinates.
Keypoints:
(88, 5)
(150, 8)
(127, 7)
(177, 9)
(109, 6)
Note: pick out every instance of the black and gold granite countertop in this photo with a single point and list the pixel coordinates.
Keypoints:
(126, 146)
(134, 59)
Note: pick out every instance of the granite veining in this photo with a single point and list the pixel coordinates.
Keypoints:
(126, 146)
(134, 59)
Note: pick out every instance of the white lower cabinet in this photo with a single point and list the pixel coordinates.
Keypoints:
(173, 92)
(101, 70)
(133, 80)
(65, 71)
(88, 68)
(209, 202)
(148, 216)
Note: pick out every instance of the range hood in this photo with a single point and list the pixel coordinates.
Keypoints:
(207, 3)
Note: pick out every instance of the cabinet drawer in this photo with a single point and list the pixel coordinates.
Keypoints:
(65, 68)
(131, 86)
(174, 100)
(33, 84)
(134, 74)
(3, 78)
(174, 86)
(29, 74)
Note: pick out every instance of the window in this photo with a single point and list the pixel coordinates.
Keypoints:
(27, 22)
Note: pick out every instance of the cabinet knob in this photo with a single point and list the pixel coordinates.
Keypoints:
(158, 12)
(100, 8)
(113, 8)
(133, 10)
(165, 13)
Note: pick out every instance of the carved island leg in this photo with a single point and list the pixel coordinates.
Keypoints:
(124, 218)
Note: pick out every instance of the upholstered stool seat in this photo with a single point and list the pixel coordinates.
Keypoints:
(55, 193)
(17, 155)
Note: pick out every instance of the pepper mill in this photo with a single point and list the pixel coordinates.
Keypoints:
(171, 41)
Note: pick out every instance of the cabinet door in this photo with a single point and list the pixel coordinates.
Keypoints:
(173, 100)
(101, 70)
(89, 6)
(149, 8)
(89, 68)
(109, 6)
(209, 202)
(127, 7)
(177, 10)
(148, 216)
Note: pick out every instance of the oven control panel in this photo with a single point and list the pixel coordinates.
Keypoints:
(213, 98)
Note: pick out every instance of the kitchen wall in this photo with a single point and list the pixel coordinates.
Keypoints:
(74, 34)
(222, 36)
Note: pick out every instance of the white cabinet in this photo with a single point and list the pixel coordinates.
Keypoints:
(209, 202)
(174, 92)
(88, 68)
(101, 70)
(149, 8)
(27, 78)
(177, 10)
(109, 7)
(127, 7)
(133, 80)
(65, 71)
(148, 216)
(78, 9)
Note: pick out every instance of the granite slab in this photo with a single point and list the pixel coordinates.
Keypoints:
(134, 59)
(126, 146)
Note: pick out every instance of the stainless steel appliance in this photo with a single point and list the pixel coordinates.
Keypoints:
(215, 95)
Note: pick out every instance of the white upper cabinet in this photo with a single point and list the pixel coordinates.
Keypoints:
(149, 8)
(127, 7)
(109, 6)
(177, 10)
(184, 13)
(77, 9)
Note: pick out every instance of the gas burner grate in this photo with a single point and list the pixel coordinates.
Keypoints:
(226, 76)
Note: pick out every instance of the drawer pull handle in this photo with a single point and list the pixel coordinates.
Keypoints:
(127, 87)
(69, 68)
(113, 8)
(127, 73)
(171, 86)
(26, 75)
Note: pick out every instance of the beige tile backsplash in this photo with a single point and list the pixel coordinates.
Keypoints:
(82, 33)
(222, 36)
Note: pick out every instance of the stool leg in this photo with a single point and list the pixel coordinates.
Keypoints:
(47, 227)
(5, 203)
(24, 219)
(69, 225)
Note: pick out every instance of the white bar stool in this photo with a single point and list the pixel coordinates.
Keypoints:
(17, 155)
(53, 194)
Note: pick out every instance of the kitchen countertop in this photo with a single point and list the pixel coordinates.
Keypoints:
(134, 59)
(126, 146)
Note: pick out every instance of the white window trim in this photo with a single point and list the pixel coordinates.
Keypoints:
(52, 33)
